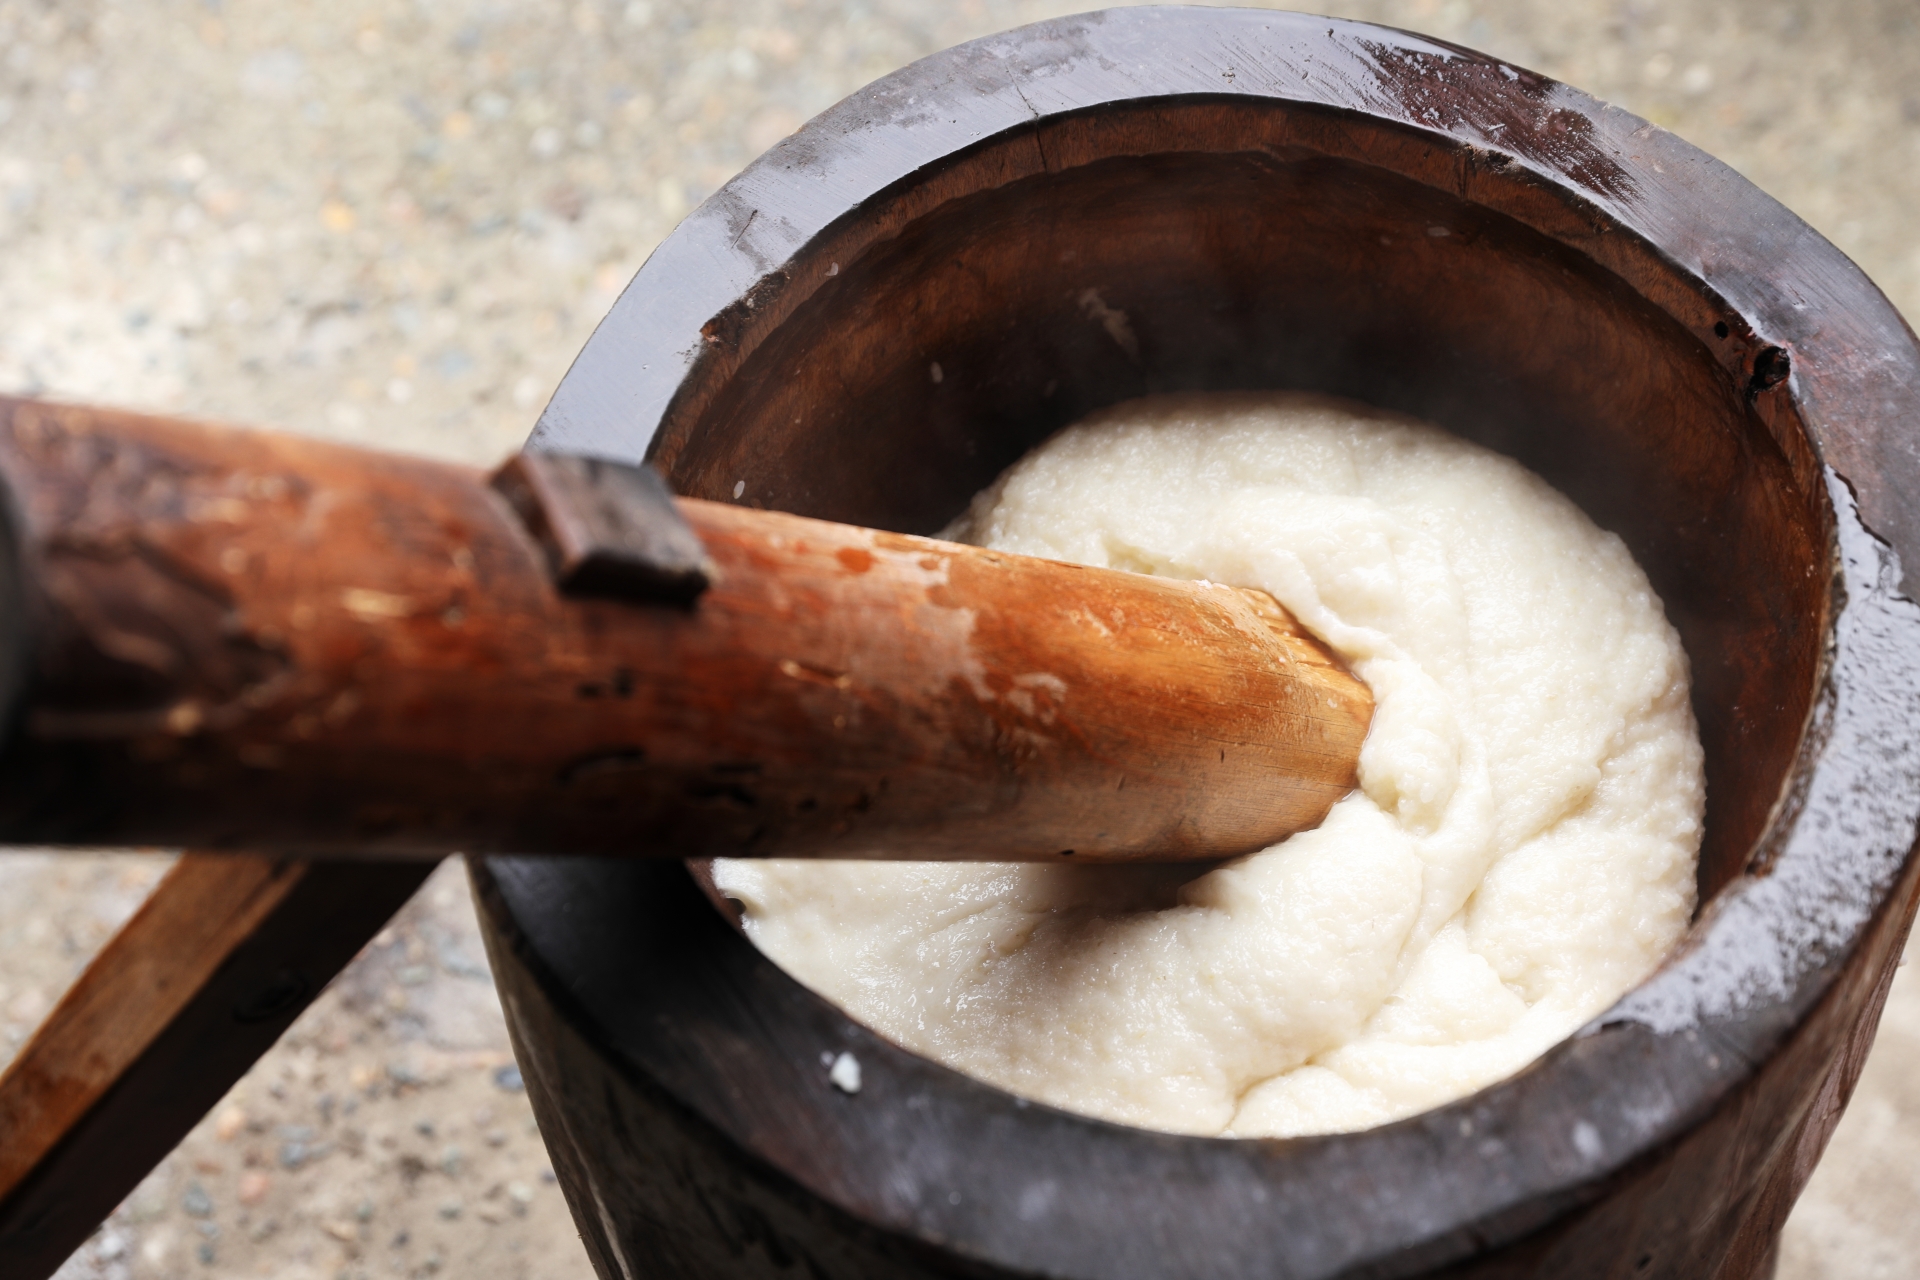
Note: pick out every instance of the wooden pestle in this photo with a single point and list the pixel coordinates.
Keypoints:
(250, 641)
(292, 651)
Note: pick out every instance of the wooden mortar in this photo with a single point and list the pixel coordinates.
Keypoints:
(900, 299)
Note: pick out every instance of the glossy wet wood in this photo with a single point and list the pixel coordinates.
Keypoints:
(1148, 200)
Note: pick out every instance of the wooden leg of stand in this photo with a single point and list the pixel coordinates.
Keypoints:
(208, 973)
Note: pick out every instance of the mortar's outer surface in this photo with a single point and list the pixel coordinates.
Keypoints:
(679, 1076)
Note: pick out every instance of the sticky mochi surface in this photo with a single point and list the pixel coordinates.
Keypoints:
(1520, 851)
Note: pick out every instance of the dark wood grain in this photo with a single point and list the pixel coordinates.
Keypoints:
(1272, 200)
(250, 641)
(218, 962)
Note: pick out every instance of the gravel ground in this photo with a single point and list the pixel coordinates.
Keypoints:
(395, 223)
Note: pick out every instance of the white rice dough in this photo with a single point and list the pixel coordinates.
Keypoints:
(1520, 852)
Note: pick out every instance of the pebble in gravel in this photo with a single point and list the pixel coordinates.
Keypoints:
(196, 1203)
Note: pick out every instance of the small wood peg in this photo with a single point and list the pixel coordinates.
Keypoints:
(608, 528)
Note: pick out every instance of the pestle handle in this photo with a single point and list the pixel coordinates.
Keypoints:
(252, 641)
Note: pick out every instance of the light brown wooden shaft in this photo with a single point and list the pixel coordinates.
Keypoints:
(208, 973)
(145, 975)
(263, 642)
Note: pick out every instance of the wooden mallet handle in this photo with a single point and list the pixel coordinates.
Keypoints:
(251, 641)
